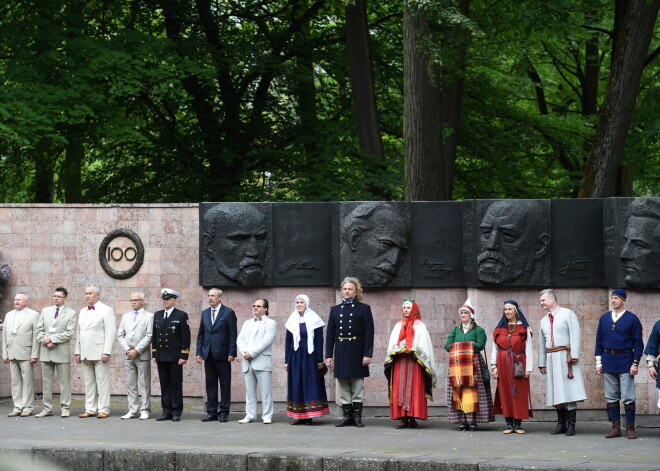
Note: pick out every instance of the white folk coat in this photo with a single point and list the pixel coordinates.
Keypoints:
(560, 389)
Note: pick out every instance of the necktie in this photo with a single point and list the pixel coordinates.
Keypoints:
(166, 315)
(552, 330)
(212, 316)
(135, 317)
(57, 312)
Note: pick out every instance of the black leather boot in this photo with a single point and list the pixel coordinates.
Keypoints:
(561, 422)
(571, 417)
(357, 414)
(348, 416)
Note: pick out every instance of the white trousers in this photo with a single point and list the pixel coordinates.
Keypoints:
(97, 386)
(252, 377)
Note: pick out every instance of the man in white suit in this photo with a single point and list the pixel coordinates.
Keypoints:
(254, 345)
(54, 332)
(134, 336)
(96, 335)
(21, 350)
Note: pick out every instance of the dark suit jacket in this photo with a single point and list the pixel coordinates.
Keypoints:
(220, 338)
(350, 337)
(171, 336)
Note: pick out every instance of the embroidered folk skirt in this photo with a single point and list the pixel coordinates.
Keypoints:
(408, 397)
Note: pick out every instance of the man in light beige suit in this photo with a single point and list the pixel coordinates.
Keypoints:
(134, 336)
(96, 335)
(21, 350)
(54, 332)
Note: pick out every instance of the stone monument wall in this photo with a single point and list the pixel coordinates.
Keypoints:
(58, 245)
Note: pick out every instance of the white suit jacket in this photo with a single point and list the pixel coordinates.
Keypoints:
(59, 330)
(21, 344)
(96, 332)
(136, 334)
(261, 350)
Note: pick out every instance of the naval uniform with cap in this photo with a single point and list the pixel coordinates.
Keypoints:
(171, 343)
(619, 346)
(350, 337)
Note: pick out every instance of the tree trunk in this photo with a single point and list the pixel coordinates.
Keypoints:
(305, 88)
(591, 72)
(362, 83)
(43, 171)
(431, 113)
(601, 172)
(71, 176)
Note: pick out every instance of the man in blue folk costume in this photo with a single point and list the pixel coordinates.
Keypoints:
(619, 347)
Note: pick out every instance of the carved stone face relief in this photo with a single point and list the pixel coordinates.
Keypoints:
(374, 239)
(640, 254)
(514, 238)
(235, 240)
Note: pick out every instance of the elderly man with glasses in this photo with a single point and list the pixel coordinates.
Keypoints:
(134, 337)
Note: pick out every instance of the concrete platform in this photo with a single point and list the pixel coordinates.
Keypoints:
(112, 445)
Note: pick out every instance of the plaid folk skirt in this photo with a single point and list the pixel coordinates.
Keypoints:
(484, 413)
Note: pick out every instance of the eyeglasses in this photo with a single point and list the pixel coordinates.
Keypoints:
(136, 300)
(57, 296)
(256, 305)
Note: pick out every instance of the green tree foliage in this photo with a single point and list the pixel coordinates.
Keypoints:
(217, 100)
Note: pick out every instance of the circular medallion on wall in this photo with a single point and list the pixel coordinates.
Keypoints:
(121, 254)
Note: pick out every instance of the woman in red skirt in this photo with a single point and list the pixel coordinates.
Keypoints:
(511, 364)
(410, 368)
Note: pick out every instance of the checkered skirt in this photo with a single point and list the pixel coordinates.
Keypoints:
(484, 412)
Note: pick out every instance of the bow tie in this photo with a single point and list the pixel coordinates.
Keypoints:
(257, 319)
(90, 308)
(348, 302)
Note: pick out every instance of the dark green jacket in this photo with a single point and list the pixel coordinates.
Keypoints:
(476, 334)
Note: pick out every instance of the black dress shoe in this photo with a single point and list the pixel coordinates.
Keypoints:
(176, 418)
(473, 427)
(209, 418)
(164, 417)
(464, 426)
(223, 418)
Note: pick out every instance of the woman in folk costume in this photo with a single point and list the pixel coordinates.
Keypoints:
(511, 364)
(410, 368)
(303, 360)
(469, 398)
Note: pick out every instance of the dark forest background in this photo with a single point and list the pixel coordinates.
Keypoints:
(317, 100)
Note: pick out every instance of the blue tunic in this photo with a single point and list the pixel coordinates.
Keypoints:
(306, 396)
(653, 346)
(624, 334)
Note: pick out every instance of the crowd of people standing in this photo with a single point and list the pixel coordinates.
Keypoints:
(410, 366)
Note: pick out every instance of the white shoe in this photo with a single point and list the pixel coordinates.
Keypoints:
(267, 421)
(246, 420)
(130, 415)
(144, 415)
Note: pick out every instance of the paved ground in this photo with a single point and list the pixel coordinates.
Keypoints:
(436, 440)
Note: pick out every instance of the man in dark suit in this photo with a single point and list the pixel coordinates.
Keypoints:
(351, 336)
(170, 347)
(216, 344)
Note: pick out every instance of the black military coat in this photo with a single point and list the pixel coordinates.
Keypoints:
(171, 336)
(351, 334)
